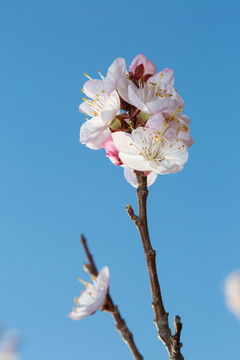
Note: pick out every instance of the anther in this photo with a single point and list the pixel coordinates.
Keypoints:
(85, 74)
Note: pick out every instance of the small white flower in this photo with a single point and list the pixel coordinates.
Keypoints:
(93, 297)
(103, 108)
(232, 293)
(146, 150)
(156, 95)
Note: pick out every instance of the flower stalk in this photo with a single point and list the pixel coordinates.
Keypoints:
(109, 306)
(171, 342)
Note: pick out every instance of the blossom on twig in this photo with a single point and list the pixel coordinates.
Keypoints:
(140, 107)
(146, 150)
(93, 297)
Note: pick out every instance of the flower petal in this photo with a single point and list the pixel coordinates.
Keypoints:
(123, 89)
(168, 106)
(166, 75)
(86, 108)
(92, 88)
(111, 107)
(156, 122)
(138, 60)
(131, 177)
(94, 132)
(116, 71)
(135, 162)
(134, 98)
(123, 142)
(150, 68)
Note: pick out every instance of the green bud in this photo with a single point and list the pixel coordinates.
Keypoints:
(115, 124)
(143, 117)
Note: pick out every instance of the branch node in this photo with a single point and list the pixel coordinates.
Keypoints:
(132, 216)
(151, 253)
(164, 332)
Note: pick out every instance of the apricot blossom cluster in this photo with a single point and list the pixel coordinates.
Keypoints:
(136, 116)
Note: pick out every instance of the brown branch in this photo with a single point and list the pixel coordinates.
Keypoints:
(109, 306)
(172, 343)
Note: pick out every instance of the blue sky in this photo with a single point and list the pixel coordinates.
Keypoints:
(53, 188)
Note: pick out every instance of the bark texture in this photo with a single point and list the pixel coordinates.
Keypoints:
(109, 306)
(171, 342)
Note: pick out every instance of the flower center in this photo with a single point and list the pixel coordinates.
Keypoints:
(153, 146)
(96, 104)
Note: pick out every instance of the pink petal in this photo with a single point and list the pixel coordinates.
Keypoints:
(138, 60)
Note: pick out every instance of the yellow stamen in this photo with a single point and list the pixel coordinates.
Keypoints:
(84, 282)
(94, 277)
(76, 300)
(74, 309)
(102, 77)
(164, 125)
(178, 110)
(85, 74)
(156, 87)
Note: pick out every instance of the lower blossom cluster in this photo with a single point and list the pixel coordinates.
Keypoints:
(136, 116)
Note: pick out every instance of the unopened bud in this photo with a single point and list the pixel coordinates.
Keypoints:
(143, 117)
(115, 124)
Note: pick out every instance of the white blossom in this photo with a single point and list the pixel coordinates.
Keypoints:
(146, 150)
(93, 297)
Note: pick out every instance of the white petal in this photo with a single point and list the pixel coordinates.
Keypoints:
(86, 108)
(98, 87)
(123, 89)
(131, 177)
(167, 77)
(185, 138)
(97, 143)
(168, 106)
(117, 71)
(93, 297)
(123, 142)
(80, 314)
(151, 178)
(135, 162)
(134, 98)
(156, 122)
(174, 169)
(94, 132)
(183, 118)
(104, 276)
(111, 107)
(177, 154)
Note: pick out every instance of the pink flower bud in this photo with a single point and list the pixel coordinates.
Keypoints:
(112, 152)
(141, 68)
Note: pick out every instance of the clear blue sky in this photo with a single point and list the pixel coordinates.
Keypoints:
(53, 188)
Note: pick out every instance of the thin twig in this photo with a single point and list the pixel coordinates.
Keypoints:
(172, 343)
(109, 306)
